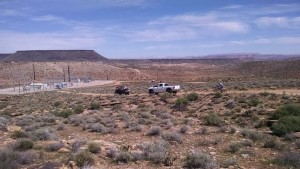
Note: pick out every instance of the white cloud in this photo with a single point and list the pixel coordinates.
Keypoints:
(186, 27)
(283, 22)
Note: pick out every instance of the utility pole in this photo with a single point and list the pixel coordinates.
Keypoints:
(69, 73)
(33, 72)
(64, 75)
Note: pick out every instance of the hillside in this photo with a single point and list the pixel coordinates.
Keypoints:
(3, 56)
(288, 68)
(55, 56)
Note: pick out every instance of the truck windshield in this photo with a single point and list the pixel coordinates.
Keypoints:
(166, 84)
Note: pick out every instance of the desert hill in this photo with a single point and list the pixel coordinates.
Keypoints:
(3, 56)
(288, 68)
(55, 56)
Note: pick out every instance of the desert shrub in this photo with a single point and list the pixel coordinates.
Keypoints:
(230, 104)
(218, 95)
(287, 110)
(172, 136)
(285, 125)
(8, 159)
(288, 159)
(3, 105)
(234, 147)
(252, 135)
(97, 127)
(64, 113)
(57, 103)
(271, 142)
(135, 127)
(165, 96)
(202, 130)
(192, 96)
(76, 144)
(156, 152)
(55, 146)
(153, 131)
(145, 115)
(181, 103)
(253, 102)
(26, 157)
(84, 158)
(112, 153)
(23, 144)
(3, 122)
(213, 120)
(61, 126)
(43, 134)
(183, 129)
(123, 156)
(247, 143)
(94, 148)
(19, 134)
(78, 109)
(94, 106)
(228, 162)
(199, 160)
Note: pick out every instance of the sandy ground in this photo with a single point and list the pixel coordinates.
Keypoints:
(17, 90)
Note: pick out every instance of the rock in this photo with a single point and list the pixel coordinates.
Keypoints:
(12, 128)
(245, 155)
(212, 153)
(297, 135)
(63, 150)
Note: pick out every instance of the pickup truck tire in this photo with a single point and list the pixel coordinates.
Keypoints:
(151, 91)
(169, 90)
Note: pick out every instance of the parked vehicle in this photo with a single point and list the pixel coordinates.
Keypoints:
(122, 90)
(163, 87)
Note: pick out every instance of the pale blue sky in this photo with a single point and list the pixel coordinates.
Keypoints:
(152, 28)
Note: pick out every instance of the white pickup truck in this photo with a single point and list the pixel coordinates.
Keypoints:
(163, 87)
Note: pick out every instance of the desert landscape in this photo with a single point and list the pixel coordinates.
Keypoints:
(253, 124)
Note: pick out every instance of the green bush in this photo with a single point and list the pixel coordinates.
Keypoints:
(287, 110)
(199, 160)
(218, 95)
(165, 96)
(192, 96)
(288, 159)
(19, 134)
(78, 109)
(57, 103)
(94, 106)
(252, 135)
(64, 113)
(254, 102)
(94, 148)
(285, 125)
(213, 120)
(234, 147)
(181, 103)
(23, 144)
(84, 158)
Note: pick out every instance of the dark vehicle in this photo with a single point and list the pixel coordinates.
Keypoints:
(122, 90)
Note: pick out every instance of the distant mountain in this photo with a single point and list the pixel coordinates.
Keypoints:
(247, 56)
(55, 56)
(3, 56)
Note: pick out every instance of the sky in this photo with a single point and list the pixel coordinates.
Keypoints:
(151, 28)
